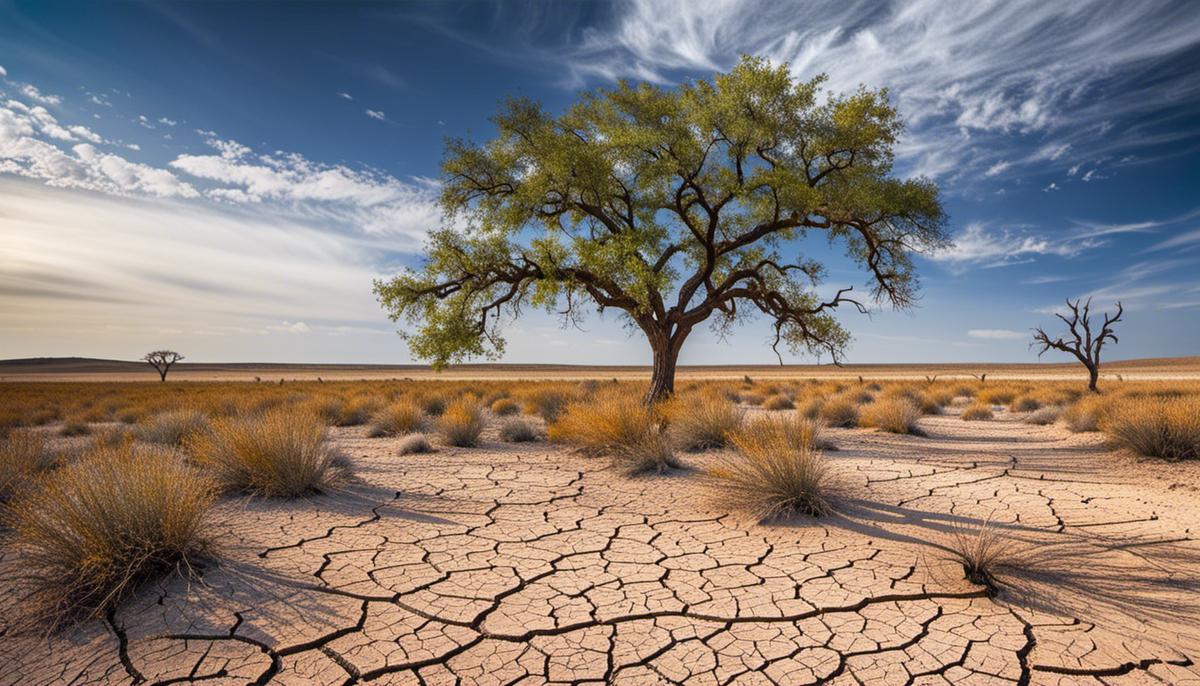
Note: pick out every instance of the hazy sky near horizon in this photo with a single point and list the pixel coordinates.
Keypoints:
(226, 179)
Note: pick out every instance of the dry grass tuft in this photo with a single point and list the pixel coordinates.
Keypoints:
(356, 411)
(505, 407)
(104, 525)
(75, 427)
(1044, 416)
(840, 412)
(703, 421)
(23, 456)
(649, 453)
(1085, 414)
(171, 427)
(776, 472)
(603, 423)
(398, 418)
(461, 423)
(414, 445)
(548, 403)
(778, 402)
(982, 554)
(1024, 403)
(1157, 427)
(977, 412)
(896, 415)
(517, 430)
(280, 453)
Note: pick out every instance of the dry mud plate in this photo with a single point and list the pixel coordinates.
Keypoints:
(515, 564)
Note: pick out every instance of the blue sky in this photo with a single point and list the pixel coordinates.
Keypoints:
(226, 179)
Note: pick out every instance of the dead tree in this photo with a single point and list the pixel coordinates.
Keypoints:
(1083, 343)
(162, 360)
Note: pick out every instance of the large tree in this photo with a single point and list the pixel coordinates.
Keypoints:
(673, 206)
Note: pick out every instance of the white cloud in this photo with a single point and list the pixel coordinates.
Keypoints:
(166, 121)
(290, 327)
(997, 334)
(1052, 151)
(3, 72)
(1052, 187)
(977, 246)
(345, 95)
(375, 114)
(997, 168)
(24, 151)
(1073, 170)
(373, 201)
(987, 68)
(30, 91)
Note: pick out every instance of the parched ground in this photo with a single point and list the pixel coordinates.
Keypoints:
(528, 564)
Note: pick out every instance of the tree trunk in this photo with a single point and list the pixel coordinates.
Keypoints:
(666, 353)
(1093, 377)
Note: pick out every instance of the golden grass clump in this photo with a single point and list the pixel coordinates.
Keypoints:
(776, 472)
(604, 422)
(23, 456)
(505, 407)
(977, 412)
(356, 411)
(462, 423)
(105, 524)
(1024, 403)
(547, 403)
(280, 453)
(74, 427)
(840, 411)
(171, 427)
(516, 430)
(778, 401)
(897, 414)
(1085, 414)
(396, 419)
(1044, 416)
(997, 396)
(1156, 427)
(702, 421)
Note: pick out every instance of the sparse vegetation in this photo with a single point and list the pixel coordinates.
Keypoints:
(462, 423)
(516, 430)
(977, 413)
(105, 524)
(1044, 416)
(896, 415)
(839, 412)
(1156, 427)
(171, 427)
(778, 402)
(774, 473)
(702, 421)
(505, 407)
(281, 453)
(414, 445)
(983, 552)
(396, 419)
(23, 456)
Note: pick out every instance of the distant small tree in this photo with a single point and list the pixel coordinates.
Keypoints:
(1083, 343)
(674, 207)
(162, 360)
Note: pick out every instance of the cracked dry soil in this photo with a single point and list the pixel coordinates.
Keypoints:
(529, 564)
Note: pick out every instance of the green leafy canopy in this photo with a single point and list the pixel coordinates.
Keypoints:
(673, 206)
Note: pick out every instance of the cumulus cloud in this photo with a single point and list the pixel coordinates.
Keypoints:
(30, 91)
(376, 114)
(996, 334)
(26, 150)
(167, 122)
(370, 200)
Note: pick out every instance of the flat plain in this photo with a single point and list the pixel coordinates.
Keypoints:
(541, 562)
